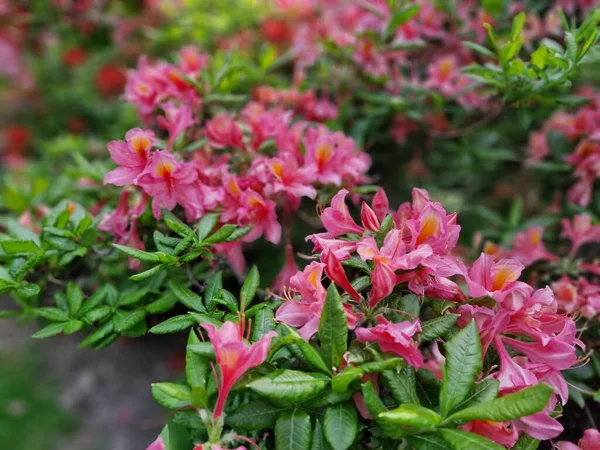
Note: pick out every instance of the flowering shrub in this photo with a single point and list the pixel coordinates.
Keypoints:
(240, 206)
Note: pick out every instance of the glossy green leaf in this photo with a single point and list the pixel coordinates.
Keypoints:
(187, 297)
(435, 328)
(412, 415)
(402, 385)
(289, 386)
(333, 328)
(173, 324)
(256, 415)
(293, 431)
(463, 363)
(171, 395)
(249, 288)
(463, 440)
(340, 425)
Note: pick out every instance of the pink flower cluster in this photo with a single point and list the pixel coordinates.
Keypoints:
(254, 166)
(573, 296)
(582, 128)
(416, 254)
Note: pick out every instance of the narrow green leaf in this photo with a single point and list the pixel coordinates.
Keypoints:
(463, 363)
(526, 442)
(138, 254)
(53, 329)
(263, 322)
(74, 297)
(187, 297)
(14, 247)
(101, 333)
(333, 328)
(175, 224)
(427, 441)
(249, 288)
(50, 313)
(375, 406)
(215, 284)
(512, 406)
(293, 431)
(341, 381)
(124, 320)
(147, 273)
(196, 367)
(222, 234)
(481, 392)
(206, 225)
(173, 324)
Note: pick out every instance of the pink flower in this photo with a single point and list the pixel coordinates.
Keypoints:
(501, 432)
(558, 352)
(368, 218)
(336, 218)
(380, 204)
(234, 357)
(289, 178)
(131, 155)
(431, 225)
(443, 75)
(117, 221)
(191, 61)
(392, 256)
(496, 279)
(335, 272)
(222, 131)
(176, 121)
(580, 231)
(168, 181)
(158, 444)
(538, 147)
(395, 338)
(257, 210)
(528, 247)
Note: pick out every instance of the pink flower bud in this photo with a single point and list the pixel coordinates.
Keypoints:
(369, 218)
(335, 271)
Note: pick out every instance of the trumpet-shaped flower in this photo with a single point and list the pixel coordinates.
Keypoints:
(222, 131)
(580, 231)
(131, 155)
(494, 279)
(234, 357)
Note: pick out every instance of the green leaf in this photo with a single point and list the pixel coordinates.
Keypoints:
(483, 51)
(402, 386)
(333, 328)
(517, 26)
(526, 442)
(206, 225)
(175, 224)
(293, 431)
(173, 325)
(376, 407)
(306, 352)
(318, 441)
(256, 415)
(399, 17)
(221, 235)
(50, 313)
(239, 233)
(340, 426)
(249, 288)
(381, 365)
(215, 284)
(427, 441)
(187, 297)
(147, 273)
(203, 349)
(412, 415)
(289, 386)
(228, 300)
(124, 320)
(481, 392)
(138, 254)
(13, 247)
(172, 395)
(264, 321)
(97, 336)
(179, 437)
(196, 367)
(538, 58)
(97, 314)
(162, 304)
(341, 381)
(571, 44)
(184, 243)
(512, 406)
(50, 330)
(72, 326)
(434, 328)
(74, 297)
(463, 363)
(463, 440)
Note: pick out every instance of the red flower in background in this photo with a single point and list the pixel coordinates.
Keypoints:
(74, 57)
(110, 80)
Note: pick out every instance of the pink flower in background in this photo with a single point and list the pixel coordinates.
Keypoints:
(222, 131)
(117, 221)
(443, 75)
(538, 147)
(589, 441)
(257, 210)
(192, 61)
(580, 231)
(234, 357)
(168, 182)
(528, 247)
(396, 338)
(131, 155)
(176, 121)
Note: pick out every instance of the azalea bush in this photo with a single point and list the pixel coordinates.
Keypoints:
(252, 192)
